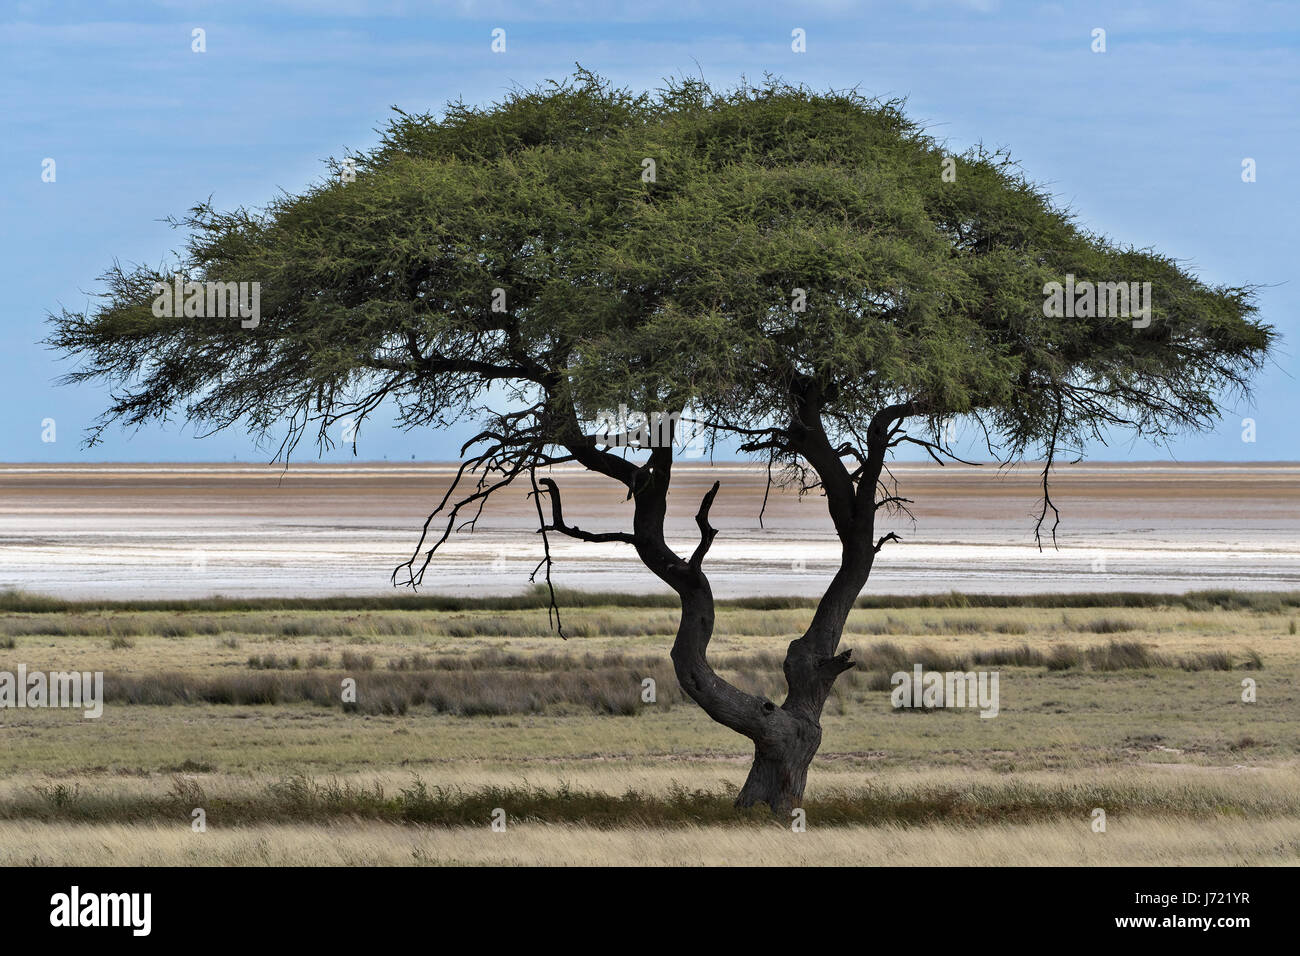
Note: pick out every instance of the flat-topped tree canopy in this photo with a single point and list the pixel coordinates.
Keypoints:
(675, 291)
(808, 271)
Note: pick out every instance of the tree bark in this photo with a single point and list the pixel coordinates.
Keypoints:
(791, 734)
(780, 769)
(786, 737)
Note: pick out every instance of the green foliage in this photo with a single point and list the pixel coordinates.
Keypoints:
(670, 293)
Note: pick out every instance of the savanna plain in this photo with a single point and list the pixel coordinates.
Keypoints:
(473, 709)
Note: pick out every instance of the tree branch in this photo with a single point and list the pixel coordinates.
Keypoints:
(558, 524)
(707, 532)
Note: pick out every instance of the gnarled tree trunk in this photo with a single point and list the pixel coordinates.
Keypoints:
(786, 737)
(780, 769)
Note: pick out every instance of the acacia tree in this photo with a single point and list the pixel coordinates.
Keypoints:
(811, 275)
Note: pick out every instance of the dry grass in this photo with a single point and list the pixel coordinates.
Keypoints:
(1268, 602)
(1129, 703)
(491, 681)
(954, 799)
(1140, 841)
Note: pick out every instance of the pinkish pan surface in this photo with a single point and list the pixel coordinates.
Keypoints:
(185, 530)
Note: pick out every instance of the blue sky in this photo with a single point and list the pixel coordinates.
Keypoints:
(1144, 141)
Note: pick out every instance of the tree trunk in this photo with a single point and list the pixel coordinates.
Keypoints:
(785, 738)
(791, 734)
(780, 769)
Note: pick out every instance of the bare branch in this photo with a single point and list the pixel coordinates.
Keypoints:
(707, 532)
(558, 523)
(553, 608)
(1047, 497)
